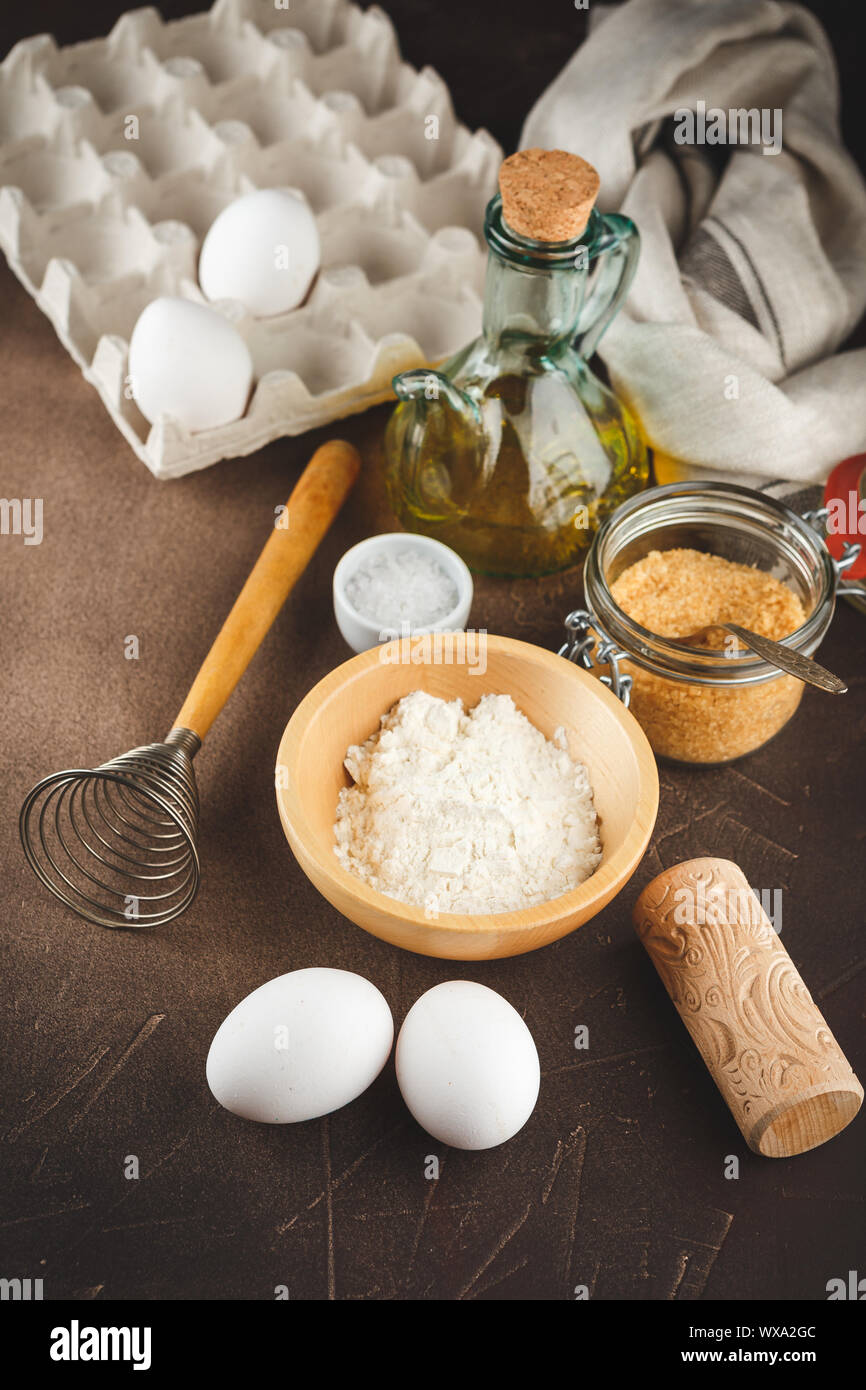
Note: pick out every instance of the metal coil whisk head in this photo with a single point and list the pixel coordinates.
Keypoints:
(117, 843)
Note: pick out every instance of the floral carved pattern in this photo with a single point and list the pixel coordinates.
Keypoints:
(738, 992)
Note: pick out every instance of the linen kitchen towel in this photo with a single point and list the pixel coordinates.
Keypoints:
(715, 126)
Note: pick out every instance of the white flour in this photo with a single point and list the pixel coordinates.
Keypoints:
(458, 812)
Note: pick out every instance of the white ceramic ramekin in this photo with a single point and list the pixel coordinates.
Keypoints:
(360, 632)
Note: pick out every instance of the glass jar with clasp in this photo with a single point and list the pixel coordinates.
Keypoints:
(699, 706)
(515, 451)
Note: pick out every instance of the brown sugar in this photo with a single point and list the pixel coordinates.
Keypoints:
(675, 592)
(547, 194)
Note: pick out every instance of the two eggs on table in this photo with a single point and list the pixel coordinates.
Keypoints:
(188, 361)
(309, 1042)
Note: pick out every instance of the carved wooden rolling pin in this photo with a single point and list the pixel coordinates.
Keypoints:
(784, 1077)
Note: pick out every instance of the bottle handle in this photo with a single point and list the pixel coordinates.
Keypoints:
(620, 245)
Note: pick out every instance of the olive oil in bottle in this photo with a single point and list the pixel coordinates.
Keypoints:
(514, 451)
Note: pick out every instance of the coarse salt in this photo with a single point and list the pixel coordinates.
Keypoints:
(458, 811)
(396, 588)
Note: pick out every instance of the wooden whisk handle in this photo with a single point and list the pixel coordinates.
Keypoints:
(317, 497)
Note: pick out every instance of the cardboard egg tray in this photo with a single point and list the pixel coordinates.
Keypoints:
(117, 154)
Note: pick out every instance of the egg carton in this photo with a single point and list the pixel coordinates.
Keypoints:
(118, 153)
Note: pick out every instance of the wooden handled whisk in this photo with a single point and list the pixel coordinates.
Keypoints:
(118, 843)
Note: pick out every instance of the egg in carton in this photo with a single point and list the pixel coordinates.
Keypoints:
(117, 154)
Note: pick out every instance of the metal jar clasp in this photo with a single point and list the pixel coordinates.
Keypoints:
(589, 648)
(845, 588)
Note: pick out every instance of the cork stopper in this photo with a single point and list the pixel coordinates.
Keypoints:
(547, 194)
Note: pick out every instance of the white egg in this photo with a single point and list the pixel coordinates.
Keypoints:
(301, 1045)
(188, 362)
(467, 1065)
(263, 249)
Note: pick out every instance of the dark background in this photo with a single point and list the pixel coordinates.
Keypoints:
(618, 1179)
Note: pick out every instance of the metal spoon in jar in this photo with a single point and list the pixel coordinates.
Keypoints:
(794, 663)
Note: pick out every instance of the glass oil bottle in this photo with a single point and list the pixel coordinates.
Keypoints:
(515, 451)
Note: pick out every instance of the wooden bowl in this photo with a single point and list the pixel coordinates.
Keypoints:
(345, 708)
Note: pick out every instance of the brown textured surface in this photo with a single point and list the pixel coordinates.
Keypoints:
(547, 194)
(617, 1181)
